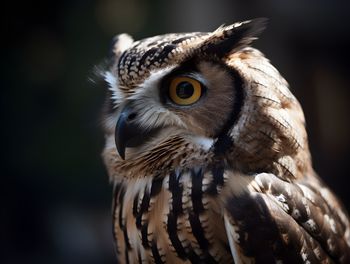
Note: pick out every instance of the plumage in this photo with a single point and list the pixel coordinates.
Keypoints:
(207, 151)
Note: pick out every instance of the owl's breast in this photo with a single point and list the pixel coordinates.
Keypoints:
(173, 218)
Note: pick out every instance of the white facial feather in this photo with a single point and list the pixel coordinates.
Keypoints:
(152, 83)
(117, 95)
(147, 103)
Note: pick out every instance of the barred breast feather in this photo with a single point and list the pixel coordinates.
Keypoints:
(224, 178)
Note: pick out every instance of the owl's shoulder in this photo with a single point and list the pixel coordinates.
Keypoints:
(303, 215)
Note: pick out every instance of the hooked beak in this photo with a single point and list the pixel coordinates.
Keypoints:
(128, 132)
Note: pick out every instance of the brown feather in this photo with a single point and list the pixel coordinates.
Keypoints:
(227, 179)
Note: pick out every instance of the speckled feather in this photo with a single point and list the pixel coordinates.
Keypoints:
(227, 180)
(143, 56)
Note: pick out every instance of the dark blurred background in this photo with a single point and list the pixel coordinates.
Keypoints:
(56, 197)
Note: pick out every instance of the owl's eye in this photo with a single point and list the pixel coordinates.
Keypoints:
(184, 90)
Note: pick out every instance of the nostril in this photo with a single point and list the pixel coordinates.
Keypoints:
(131, 116)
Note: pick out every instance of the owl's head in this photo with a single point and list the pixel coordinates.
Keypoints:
(195, 99)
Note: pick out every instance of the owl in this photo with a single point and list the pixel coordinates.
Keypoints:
(207, 151)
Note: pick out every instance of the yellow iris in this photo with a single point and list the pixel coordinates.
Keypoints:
(185, 90)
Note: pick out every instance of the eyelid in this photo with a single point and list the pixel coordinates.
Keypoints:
(193, 75)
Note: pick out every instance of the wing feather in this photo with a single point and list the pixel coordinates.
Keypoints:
(282, 221)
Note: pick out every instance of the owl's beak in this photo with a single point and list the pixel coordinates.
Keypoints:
(127, 132)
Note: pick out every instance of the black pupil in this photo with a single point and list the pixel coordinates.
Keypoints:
(184, 90)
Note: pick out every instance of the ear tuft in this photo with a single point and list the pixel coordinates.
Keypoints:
(119, 44)
(227, 39)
